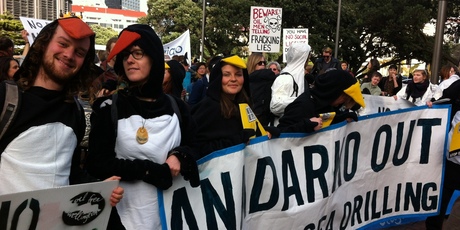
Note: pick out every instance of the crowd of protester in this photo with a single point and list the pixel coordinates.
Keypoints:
(136, 102)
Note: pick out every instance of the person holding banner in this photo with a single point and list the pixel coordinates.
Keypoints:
(329, 101)
(218, 115)
(39, 148)
(291, 82)
(140, 133)
(452, 168)
(419, 91)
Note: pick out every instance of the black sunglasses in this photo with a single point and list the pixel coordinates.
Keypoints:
(262, 63)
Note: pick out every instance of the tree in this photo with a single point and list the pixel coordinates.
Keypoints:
(368, 28)
(103, 34)
(10, 27)
(171, 18)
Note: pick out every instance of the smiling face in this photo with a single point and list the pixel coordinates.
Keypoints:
(137, 67)
(63, 57)
(232, 79)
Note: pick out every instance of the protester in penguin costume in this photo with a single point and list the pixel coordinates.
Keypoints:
(218, 114)
(334, 91)
(145, 142)
(39, 149)
(174, 76)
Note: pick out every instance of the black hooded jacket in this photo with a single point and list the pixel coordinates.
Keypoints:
(214, 131)
(261, 93)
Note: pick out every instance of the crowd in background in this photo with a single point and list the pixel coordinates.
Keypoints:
(136, 102)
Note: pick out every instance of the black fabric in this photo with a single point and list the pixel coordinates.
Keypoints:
(318, 66)
(214, 131)
(152, 46)
(416, 90)
(188, 166)
(453, 93)
(329, 86)
(296, 118)
(261, 93)
(158, 175)
(199, 89)
(177, 72)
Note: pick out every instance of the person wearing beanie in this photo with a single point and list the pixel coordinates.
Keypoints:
(173, 78)
(218, 115)
(39, 148)
(334, 91)
(140, 133)
(291, 82)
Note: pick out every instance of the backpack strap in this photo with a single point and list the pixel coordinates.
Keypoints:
(295, 87)
(114, 113)
(175, 107)
(10, 105)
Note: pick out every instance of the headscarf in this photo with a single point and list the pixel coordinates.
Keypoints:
(146, 38)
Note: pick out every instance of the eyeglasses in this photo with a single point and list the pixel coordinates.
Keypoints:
(262, 63)
(275, 69)
(137, 54)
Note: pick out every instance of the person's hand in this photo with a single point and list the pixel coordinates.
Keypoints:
(395, 97)
(103, 92)
(24, 34)
(429, 104)
(174, 165)
(319, 121)
(117, 193)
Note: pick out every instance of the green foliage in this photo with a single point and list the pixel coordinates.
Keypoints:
(368, 28)
(103, 34)
(10, 27)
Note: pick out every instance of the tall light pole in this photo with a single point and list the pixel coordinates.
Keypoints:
(203, 22)
(337, 30)
(438, 39)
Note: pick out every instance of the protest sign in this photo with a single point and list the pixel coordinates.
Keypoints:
(347, 176)
(293, 36)
(265, 29)
(33, 27)
(83, 206)
(380, 104)
(179, 46)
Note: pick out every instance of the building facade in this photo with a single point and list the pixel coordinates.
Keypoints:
(42, 9)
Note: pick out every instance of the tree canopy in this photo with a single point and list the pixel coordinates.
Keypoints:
(368, 28)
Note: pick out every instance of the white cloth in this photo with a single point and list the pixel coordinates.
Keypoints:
(421, 100)
(444, 85)
(139, 207)
(282, 87)
(55, 142)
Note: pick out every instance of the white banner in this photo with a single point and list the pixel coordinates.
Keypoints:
(180, 46)
(362, 174)
(265, 29)
(380, 104)
(293, 36)
(83, 206)
(33, 27)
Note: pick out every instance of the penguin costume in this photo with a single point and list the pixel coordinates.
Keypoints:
(136, 130)
(320, 99)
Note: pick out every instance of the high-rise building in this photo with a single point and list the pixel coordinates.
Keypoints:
(41, 9)
(114, 4)
(131, 5)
